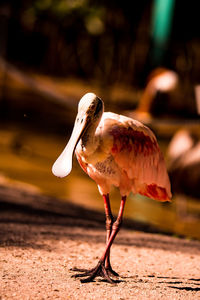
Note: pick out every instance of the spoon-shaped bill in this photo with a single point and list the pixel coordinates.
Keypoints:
(63, 165)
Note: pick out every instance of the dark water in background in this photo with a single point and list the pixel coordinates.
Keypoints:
(26, 158)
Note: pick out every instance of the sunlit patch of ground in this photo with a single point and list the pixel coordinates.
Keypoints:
(39, 251)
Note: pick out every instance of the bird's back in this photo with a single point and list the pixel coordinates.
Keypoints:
(130, 152)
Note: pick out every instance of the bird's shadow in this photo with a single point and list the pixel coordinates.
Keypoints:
(191, 284)
(175, 282)
(186, 288)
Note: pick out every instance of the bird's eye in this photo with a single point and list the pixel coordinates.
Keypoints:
(81, 121)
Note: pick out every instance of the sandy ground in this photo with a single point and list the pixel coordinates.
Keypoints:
(39, 249)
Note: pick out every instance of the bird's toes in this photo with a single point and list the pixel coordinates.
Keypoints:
(98, 271)
(82, 272)
(101, 273)
(111, 272)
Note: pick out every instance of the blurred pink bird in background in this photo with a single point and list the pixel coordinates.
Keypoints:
(114, 150)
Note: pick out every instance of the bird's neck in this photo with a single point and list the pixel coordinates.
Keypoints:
(89, 141)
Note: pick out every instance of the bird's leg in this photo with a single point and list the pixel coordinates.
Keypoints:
(115, 228)
(109, 224)
(100, 269)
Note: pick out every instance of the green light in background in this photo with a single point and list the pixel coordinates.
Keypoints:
(161, 25)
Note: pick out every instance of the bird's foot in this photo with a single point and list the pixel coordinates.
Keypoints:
(111, 272)
(99, 270)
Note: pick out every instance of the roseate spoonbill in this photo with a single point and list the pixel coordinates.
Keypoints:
(160, 80)
(113, 150)
(163, 96)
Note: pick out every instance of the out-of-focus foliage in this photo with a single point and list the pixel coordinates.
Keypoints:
(109, 41)
(85, 38)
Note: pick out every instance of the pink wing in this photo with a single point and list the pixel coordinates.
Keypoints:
(136, 152)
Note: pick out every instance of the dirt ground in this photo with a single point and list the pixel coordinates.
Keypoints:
(39, 249)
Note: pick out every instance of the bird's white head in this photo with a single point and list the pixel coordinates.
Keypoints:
(90, 110)
(90, 107)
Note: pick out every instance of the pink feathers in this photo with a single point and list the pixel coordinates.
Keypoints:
(138, 155)
(127, 156)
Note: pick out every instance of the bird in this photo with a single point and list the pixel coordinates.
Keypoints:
(161, 96)
(114, 150)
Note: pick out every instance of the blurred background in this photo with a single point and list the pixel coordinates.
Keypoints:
(142, 59)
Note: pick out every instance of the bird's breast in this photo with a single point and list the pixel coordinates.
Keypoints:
(106, 167)
(95, 149)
